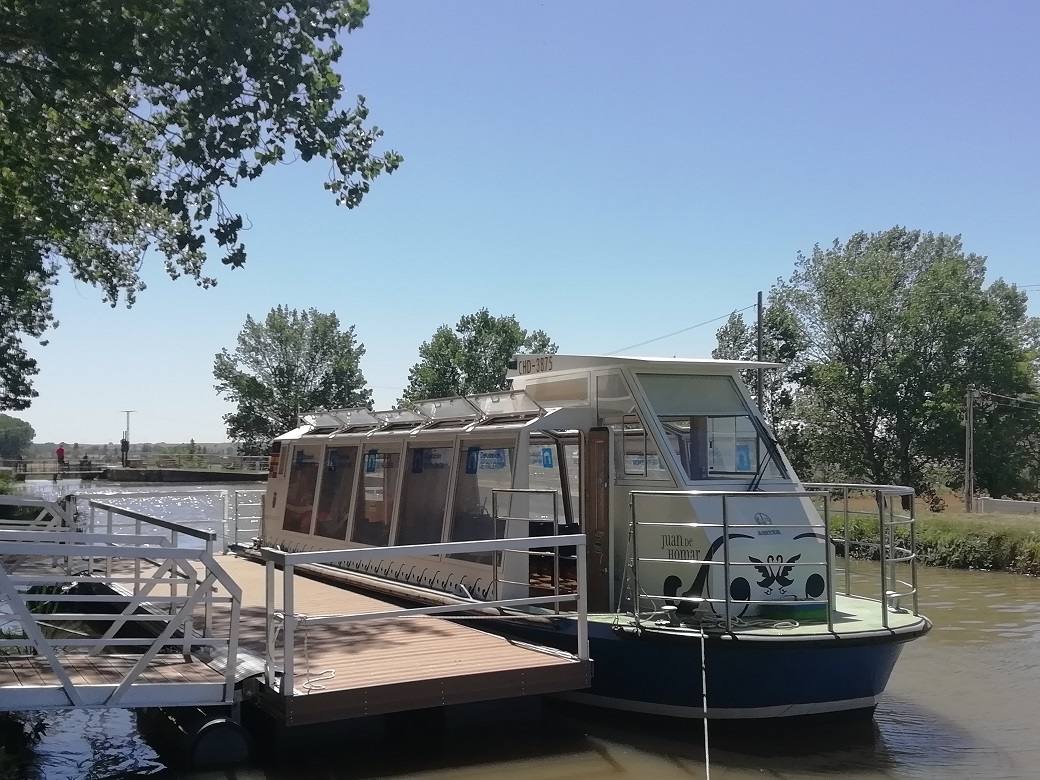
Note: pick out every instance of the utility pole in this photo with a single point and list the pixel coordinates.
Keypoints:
(969, 449)
(759, 379)
(124, 445)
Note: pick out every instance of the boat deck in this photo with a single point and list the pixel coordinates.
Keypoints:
(854, 617)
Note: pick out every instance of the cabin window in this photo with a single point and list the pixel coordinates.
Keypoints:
(375, 499)
(424, 495)
(543, 473)
(635, 452)
(337, 482)
(482, 469)
(709, 428)
(299, 499)
(572, 454)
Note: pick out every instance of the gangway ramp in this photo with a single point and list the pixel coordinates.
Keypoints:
(375, 657)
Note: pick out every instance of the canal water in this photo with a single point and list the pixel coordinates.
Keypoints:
(964, 702)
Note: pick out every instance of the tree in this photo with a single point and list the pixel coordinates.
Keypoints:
(471, 358)
(897, 325)
(124, 125)
(15, 436)
(290, 363)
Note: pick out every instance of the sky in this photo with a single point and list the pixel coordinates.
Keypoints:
(607, 171)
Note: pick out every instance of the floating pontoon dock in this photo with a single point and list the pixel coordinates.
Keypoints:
(132, 616)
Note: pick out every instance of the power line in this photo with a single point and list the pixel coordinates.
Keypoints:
(1009, 398)
(683, 330)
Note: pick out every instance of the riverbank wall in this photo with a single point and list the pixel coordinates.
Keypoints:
(181, 475)
(963, 541)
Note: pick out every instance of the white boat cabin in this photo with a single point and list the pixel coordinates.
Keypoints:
(587, 430)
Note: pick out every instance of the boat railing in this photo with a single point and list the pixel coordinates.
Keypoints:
(890, 551)
(289, 620)
(244, 516)
(552, 521)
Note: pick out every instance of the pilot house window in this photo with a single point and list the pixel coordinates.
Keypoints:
(709, 428)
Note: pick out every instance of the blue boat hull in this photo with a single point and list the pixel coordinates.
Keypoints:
(660, 672)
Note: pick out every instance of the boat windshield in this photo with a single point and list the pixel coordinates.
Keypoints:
(709, 428)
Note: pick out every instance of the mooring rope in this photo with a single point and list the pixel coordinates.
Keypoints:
(313, 682)
(704, 704)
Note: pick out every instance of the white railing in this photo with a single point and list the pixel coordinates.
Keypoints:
(189, 576)
(889, 551)
(244, 515)
(291, 620)
(47, 515)
(103, 515)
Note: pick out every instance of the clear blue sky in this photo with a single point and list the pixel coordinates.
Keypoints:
(607, 171)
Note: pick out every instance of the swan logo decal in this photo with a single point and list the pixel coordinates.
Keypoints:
(775, 571)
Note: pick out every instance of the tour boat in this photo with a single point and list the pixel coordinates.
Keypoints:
(703, 546)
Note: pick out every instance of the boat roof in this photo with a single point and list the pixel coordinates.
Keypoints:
(524, 365)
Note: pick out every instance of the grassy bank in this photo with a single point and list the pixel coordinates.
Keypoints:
(966, 541)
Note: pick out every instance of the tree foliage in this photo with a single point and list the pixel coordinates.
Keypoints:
(891, 329)
(472, 357)
(15, 436)
(290, 363)
(124, 125)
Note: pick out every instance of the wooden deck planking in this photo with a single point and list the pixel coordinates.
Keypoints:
(388, 664)
(379, 666)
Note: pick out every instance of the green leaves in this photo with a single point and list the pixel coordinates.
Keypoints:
(472, 357)
(884, 333)
(290, 363)
(123, 126)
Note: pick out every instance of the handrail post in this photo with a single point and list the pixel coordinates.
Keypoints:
(892, 544)
(288, 630)
(725, 563)
(556, 556)
(234, 517)
(884, 555)
(108, 559)
(583, 603)
(913, 550)
(827, 557)
(174, 539)
(208, 598)
(269, 622)
(636, 602)
(137, 559)
(90, 558)
(848, 551)
(494, 535)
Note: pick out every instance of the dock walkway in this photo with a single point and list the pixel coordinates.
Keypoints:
(390, 664)
(127, 617)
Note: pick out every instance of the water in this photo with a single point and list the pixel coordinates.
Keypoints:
(963, 703)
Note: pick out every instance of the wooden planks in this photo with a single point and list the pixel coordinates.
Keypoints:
(390, 664)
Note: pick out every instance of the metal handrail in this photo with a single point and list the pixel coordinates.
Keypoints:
(889, 558)
(174, 569)
(169, 525)
(290, 619)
